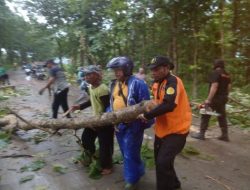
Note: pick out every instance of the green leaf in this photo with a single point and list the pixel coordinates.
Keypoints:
(26, 178)
(34, 166)
(41, 187)
(59, 168)
(40, 137)
(189, 150)
(3, 112)
(147, 155)
(117, 159)
(4, 139)
(95, 170)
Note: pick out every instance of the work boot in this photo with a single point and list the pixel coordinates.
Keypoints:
(223, 138)
(200, 136)
(224, 135)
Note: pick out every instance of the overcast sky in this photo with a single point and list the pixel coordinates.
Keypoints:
(17, 9)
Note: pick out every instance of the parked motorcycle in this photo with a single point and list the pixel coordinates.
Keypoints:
(40, 74)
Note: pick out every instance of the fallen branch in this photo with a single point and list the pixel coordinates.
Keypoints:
(219, 182)
(16, 156)
(27, 122)
(237, 102)
(240, 111)
(125, 115)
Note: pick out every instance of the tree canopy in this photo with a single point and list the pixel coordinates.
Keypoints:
(193, 33)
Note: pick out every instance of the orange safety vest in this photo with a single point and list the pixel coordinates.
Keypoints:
(179, 120)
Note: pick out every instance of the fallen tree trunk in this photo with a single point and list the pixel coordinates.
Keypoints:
(127, 114)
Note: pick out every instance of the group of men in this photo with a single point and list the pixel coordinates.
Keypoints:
(171, 115)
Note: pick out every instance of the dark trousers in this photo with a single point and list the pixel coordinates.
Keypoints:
(60, 99)
(219, 107)
(105, 136)
(165, 150)
(5, 79)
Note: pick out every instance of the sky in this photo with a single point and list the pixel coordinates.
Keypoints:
(17, 9)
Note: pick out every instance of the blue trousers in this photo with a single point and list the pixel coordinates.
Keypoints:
(130, 141)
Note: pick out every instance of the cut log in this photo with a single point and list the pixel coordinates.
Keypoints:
(125, 115)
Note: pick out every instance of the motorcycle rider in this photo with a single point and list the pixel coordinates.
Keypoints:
(127, 90)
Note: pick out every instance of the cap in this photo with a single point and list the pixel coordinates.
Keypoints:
(92, 69)
(160, 61)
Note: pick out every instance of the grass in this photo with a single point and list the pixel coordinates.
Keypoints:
(190, 151)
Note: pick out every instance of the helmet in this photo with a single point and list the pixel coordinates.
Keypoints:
(125, 63)
(218, 63)
(161, 61)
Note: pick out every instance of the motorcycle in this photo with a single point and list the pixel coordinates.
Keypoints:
(40, 74)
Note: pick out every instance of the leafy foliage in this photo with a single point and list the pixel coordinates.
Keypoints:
(26, 179)
(239, 109)
(40, 137)
(147, 155)
(34, 166)
(4, 139)
(3, 112)
(189, 150)
(41, 187)
(59, 168)
(94, 170)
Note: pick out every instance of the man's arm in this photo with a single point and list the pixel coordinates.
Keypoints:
(51, 81)
(160, 109)
(169, 101)
(213, 90)
(105, 101)
(84, 105)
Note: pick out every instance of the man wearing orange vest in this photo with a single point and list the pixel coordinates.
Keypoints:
(173, 120)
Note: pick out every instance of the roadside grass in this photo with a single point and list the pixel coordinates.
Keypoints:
(190, 151)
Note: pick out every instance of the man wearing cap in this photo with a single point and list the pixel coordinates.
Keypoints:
(173, 120)
(219, 87)
(61, 88)
(99, 101)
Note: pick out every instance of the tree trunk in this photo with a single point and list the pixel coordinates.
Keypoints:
(60, 52)
(82, 49)
(221, 12)
(195, 55)
(235, 27)
(174, 41)
(128, 114)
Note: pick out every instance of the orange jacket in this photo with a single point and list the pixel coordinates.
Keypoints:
(178, 120)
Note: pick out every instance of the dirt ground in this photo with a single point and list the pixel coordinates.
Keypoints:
(219, 165)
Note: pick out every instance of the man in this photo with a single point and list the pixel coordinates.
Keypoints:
(99, 101)
(219, 86)
(141, 74)
(60, 86)
(173, 120)
(127, 90)
(4, 77)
